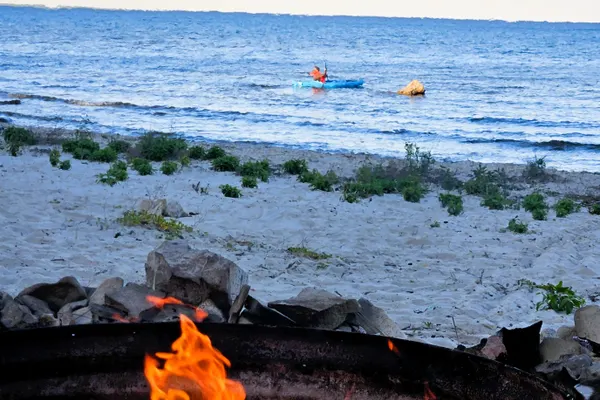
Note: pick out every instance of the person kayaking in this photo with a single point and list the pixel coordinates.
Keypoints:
(318, 75)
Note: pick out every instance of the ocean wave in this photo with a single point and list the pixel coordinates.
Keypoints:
(530, 122)
(554, 144)
(85, 103)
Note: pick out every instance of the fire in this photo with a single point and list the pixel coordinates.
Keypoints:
(429, 395)
(393, 347)
(193, 371)
(199, 314)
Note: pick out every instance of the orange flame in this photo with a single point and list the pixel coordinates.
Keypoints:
(194, 371)
(199, 314)
(393, 347)
(429, 395)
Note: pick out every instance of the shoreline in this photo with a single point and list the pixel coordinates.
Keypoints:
(58, 223)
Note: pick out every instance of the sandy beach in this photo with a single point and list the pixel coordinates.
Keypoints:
(424, 267)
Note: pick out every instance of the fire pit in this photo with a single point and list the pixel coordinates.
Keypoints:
(107, 362)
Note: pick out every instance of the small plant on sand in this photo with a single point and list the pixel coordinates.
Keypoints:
(171, 227)
(82, 146)
(120, 146)
(185, 161)
(158, 146)
(106, 155)
(307, 253)
(485, 183)
(115, 174)
(594, 209)
(418, 162)
(230, 191)
(65, 165)
(536, 204)
(169, 167)
(565, 207)
(559, 298)
(535, 171)
(16, 137)
(54, 157)
(249, 182)
(435, 224)
(318, 181)
(226, 164)
(295, 167)
(142, 166)
(453, 202)
(495, 201)
(412, 190)
(197, 153)
(257, 169)
(214, 152)
(446, 179)
(516, 226)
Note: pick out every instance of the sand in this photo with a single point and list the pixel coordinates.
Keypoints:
(55, 223)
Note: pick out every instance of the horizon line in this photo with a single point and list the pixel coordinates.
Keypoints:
(59, 7)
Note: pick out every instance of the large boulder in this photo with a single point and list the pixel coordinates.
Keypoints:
(587, 322)
(414, 88)
(56, 295)
(193, 276)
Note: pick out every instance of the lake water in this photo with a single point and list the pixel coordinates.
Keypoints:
(496, 91)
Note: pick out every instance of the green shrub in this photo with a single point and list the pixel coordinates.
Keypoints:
(539, 214)
(536, 204)
(119, 146)
(484, 182)
(169, 167)
(230, 191)
(54, 157)
(142, 166)
(295, 167)
(65, 165)
(495, 201)
(307, 253)
(106, 154)
(257, 169)
(81, 147)
(412, 190)
(559, 298)
(535, 170)
(197, 153)
(17, 137)
(318, 181)
(516, 226)
(158, 146)
(172, 227)
(249, 182)
(214, 152)
(185, 161)
(418, 162)
(594, 209)
(226, 164)
(115, 174)
(453, 202)
(565, 207)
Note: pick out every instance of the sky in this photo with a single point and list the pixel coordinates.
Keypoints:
(508, 10)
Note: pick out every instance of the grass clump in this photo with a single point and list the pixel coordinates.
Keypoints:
(418, 162)
(295, 167)
(169, 167)
(17, 137)
(536, 204)
(556, 297)
(249, 182)
(258, 169)
(535, 171)
(65, 165)
(594, 209)
(197, 153)
(158, 146)
(171, 227)
(226, 163)
(82, 146)
(119, 146)
(453, 202)
(318, 181)
(115, 174)
(230, 191)
(142, 166)
(185, 161)
(307, 253)
(54, 157)
(496, 201)
(565, 207)
(214, 152)
(516, 226)
(106, 155)
(485, 183)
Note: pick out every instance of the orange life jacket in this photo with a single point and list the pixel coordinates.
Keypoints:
(317, 75)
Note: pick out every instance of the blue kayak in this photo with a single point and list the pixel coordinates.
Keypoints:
(333, 84)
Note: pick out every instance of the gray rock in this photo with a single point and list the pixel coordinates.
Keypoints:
(132, 299)
(56, 295)
(38, 307)
(316, 308)
(214, 313)
(48, 320)
(193, 275)
(16, 316)
(552, 349)
(576, 366)
(65, 314)
(109, 286)
(566, 332)
(375, 321)
(174, 210)
(162, 207)
(82, 316)
(587, 322)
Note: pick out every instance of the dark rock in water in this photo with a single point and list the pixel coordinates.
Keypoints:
(522, 346)
(56, 295)
(15, 102)
(133, 299)
(316, 308)
(193, 275)
(257, 313)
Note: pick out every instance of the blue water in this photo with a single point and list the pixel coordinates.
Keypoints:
(496, 91)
